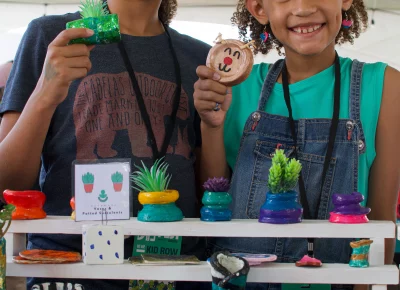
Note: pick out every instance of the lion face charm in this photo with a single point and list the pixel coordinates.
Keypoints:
(232, 60)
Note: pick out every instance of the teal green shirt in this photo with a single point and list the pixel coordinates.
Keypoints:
(311, 98)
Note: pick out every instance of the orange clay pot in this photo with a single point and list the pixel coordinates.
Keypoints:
(28, 204)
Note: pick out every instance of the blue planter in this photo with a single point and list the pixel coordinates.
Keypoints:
(281, 208)
(216, 207)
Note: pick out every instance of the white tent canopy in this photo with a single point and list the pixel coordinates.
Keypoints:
(203, 19)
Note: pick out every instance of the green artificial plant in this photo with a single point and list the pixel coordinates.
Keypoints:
(93, 8)
(117, 177)
(154, 179)
(284, 173)
(5, 219)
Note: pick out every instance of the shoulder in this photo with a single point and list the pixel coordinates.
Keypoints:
(50, 26)
(391, 87)
(189, 45)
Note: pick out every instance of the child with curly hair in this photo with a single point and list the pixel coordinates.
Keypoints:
(336, 115)
(66, 102)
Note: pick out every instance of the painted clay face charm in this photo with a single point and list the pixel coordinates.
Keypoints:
(231, 59)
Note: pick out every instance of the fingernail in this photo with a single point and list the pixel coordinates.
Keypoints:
(216, 77)
(89, 32)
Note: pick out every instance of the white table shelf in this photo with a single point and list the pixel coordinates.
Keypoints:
(378, 274)
(197, 228)
(271, 273)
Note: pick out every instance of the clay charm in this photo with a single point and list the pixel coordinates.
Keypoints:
(228, 272)
(308, 261)
(231, 59)
(347, 209)
(216, 200)
(359, 257)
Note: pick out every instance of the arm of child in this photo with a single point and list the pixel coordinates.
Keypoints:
(384, 178)
(208, 92)
(22, 134)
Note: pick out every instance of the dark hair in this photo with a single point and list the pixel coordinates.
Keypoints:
(244, 20)
(167, 11)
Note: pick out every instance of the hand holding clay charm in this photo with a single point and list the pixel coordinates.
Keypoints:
(231, 59)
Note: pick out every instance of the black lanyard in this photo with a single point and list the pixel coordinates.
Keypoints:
(145, 115)
(331, 144)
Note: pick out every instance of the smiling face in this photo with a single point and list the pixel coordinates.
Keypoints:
(232, 62)
(306, 27)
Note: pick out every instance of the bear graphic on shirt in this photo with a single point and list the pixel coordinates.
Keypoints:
(106, 103)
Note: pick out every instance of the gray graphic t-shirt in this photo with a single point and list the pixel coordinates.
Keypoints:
(100, 118)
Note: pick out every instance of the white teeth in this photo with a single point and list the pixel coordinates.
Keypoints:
(307, 30)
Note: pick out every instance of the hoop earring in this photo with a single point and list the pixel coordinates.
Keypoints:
(347, 23)
(265, 35)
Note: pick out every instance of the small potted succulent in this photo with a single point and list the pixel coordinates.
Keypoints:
(117, 179)
(216, 200)
(95, 16)
(5, 222)
(282, 204)
(88, 181)
(157, 200)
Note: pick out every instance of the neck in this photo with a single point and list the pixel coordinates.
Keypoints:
(301, 67)
(137, 17)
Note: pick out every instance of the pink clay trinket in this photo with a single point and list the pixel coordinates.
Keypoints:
(307, 261)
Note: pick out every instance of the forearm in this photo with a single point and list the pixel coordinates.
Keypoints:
(213, 160)
(21, 149)
(383, 190)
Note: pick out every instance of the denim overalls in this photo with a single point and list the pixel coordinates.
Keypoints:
(263, 134)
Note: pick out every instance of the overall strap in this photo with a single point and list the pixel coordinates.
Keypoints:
(355, 90)
(269, 83)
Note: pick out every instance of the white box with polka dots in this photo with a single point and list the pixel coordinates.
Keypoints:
(102, 244)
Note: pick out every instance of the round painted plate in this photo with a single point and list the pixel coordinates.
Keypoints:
(20, 260)
(51, 255)
(256, 259)
(230, 61)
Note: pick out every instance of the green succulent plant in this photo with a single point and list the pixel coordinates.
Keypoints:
(88, 178)
(284, 173)
(151, 180)
(117, 177)
(93, 8)
(5, 219)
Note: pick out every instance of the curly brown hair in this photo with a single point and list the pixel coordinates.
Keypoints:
(167, 11)
(244, 20)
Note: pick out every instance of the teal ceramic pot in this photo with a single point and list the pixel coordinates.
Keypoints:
(160, 213)
(216, 206)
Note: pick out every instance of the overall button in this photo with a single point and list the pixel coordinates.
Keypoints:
(361, 145)
(349, 125)
(256, 116)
